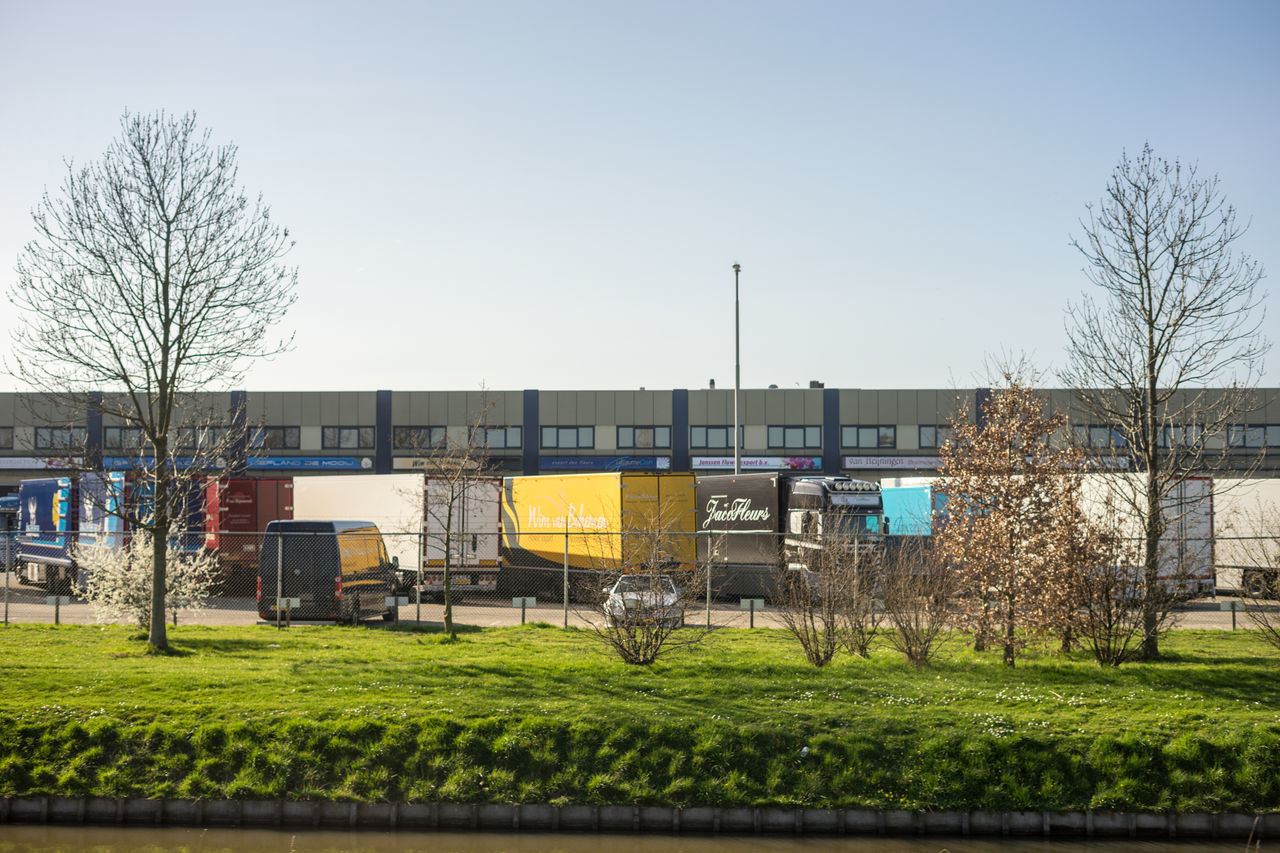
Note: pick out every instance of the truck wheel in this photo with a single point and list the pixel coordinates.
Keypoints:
(1255, 584)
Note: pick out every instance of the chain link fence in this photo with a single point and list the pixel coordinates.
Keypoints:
(334, 574)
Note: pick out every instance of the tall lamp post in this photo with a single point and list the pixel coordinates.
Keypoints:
(737, 376)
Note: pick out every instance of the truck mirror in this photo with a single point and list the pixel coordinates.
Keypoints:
(395, 561)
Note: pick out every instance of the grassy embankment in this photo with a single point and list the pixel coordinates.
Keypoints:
(537, 714)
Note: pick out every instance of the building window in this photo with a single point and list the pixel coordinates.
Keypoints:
(61, 438)
(643, 437)
(6, 437)
(418, 437)
(933, 436)
(712, 437)
(568, 438)
(346, 438)
(808, 437)
(1253, 436)
(200, 438)
(1099, 437)
(122, 438)
(275, 438)
(869, 437)
(498, 438)
(1181, 436)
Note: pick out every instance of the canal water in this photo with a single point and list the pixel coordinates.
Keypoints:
(111, 839)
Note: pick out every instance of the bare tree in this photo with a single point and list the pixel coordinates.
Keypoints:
(1107, 590)
(863, 613)
(919, 597)
(1177, 310)
(642, 584)
(462, 487)
(826, 585)
(151, 276)
(1009, 490)
(811, 602)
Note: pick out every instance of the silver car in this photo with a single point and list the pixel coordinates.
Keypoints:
(643, 599)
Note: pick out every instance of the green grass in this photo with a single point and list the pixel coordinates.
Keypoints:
(538, 714)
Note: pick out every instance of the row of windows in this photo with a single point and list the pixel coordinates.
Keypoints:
(1110, 437)
(1253, 436)
(931, 436)
(434, 438)
(497, 438)
(185, 438)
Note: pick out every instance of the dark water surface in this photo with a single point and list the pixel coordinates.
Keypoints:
(111, 839)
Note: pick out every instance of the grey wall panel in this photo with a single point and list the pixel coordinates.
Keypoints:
(290, 408)
(644, 407)
(330, 408)
(606, 407)
(697, 401)
(792, 407)
(310, 402)
(586, 408)
(887, 407)
(868, 412)
(848, 406)
(775, 408)
(624, 407)
(664, 406)
(908, 407)
(816, 404)
(567, 407)
(402, 408)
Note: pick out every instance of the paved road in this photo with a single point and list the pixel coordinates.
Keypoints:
(27, 604)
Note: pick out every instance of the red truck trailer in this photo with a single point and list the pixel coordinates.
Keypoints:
(237, 511)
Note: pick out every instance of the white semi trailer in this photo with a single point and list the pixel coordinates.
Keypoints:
(1186, 560)
(1248, 549)
(419, 515)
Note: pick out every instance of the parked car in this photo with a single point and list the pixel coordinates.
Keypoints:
(639, 599)
(335, 570)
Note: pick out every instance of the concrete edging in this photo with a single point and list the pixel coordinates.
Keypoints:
(492, 817)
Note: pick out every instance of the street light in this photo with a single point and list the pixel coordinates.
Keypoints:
(737, 375)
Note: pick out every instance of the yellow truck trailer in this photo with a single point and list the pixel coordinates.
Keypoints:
(615, 521)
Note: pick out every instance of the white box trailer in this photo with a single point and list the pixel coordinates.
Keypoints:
(1187, 552)
(462, 514)
(413, 513)
(1248, 535)
(1186, 560)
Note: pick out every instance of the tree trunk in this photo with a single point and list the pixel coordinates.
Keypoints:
(157, 636)
(1009, 625)
(448, 575)
(1151, 574)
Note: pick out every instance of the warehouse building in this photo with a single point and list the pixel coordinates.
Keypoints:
(866, 433)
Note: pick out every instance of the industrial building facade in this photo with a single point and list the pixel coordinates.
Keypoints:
(864, 433)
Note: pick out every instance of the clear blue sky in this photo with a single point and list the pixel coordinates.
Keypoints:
(551, 194)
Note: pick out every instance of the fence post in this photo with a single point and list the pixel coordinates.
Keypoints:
(710, 563)
(566, 577)
(6, 591)
(279, 573)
